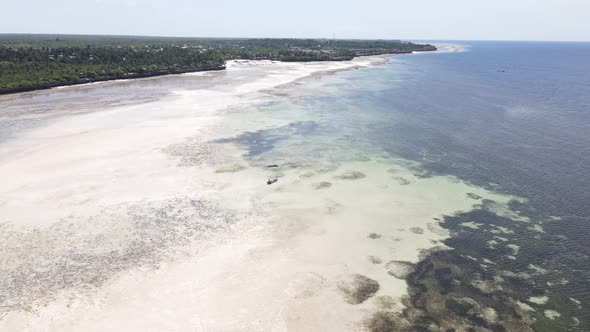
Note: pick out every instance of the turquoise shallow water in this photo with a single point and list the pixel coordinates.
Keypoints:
(507, 116)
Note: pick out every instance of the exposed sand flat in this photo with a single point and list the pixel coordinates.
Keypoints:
(133, 219)
(111, 156)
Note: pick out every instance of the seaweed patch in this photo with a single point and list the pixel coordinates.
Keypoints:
(81, 253)
(357, 288)
(457, 290)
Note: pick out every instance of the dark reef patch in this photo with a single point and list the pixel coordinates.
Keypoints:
(261, 141)
(357, 288)
(417, 230)
(475, 287)
(375, 260)
(384, 321)
(322, 185)
(473, 196)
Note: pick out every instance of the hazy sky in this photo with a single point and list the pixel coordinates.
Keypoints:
(408, 19)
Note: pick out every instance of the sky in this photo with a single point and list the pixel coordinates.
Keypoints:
(557, 20)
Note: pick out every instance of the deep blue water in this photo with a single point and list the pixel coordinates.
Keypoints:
(516, 114)
(510, 116)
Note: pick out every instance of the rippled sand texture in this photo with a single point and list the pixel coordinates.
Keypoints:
(156, 215)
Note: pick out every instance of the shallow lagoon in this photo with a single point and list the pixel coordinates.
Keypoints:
(440, 176)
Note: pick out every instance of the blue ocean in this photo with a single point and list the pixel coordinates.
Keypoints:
(512, 117)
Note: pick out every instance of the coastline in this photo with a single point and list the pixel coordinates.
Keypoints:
(21, 90)
(296, 244)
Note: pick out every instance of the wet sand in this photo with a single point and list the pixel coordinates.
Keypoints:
(134, 210)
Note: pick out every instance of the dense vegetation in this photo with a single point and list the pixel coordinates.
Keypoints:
(29, 62)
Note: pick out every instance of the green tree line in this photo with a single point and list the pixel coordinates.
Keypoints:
(29, 62)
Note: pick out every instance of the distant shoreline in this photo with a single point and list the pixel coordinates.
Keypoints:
(133, 76)
(40, 62)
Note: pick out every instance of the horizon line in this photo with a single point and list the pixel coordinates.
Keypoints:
(326, 38)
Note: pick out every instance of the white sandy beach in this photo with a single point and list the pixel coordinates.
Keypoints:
(129, 217)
